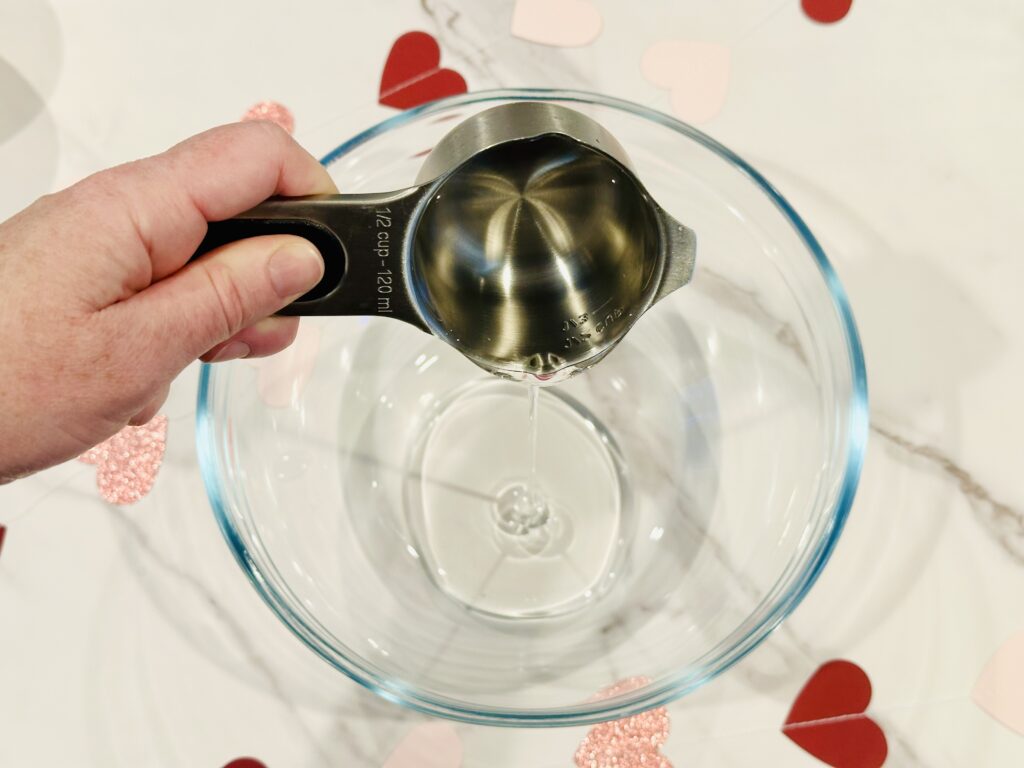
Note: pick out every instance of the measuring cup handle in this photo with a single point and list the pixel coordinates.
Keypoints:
(361, 239)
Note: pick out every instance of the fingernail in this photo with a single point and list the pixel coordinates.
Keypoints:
(295, 267)
(234, 350)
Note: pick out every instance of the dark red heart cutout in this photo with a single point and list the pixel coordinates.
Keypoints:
(245, 762)
(826, 11)
(3, 532)
(828, 721)
(413, 74)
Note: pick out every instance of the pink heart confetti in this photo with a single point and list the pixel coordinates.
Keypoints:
(1000, 688)
(127, 463)
(560, 23)
(273, 111)
(631, 742)
(430, 745)
(696, 74)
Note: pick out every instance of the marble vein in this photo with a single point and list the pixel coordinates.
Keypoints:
(1003, 522)
(220, 611)
(445, 18)
(746, 302)
(518, 63)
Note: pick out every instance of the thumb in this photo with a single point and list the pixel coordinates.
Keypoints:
(213, 298)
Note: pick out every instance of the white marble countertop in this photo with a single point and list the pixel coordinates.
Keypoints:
(128, 632)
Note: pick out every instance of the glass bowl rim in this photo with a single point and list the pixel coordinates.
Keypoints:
(645, 697)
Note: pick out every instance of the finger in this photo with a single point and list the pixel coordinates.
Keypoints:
(169, 198)
(264, 337)
(150, 410)
(215, 297)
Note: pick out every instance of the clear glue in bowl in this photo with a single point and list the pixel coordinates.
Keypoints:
(481, 551)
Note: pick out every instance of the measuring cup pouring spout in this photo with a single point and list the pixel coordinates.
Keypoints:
(528, 244)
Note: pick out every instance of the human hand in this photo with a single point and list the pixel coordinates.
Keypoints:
(100, 309)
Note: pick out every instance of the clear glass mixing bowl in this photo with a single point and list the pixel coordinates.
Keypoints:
(372, 482)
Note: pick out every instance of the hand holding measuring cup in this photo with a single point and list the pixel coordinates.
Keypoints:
(100, 308)
(527, 244)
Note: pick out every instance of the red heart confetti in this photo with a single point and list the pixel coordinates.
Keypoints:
(631, 742)
(3, 532)
(828, 718)
(273, 111)
(826, 11)
(245, 762)
(127, 463)
(413, 74)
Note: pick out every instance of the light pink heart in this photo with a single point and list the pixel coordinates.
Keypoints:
(1000, 688)
(283, 377)
(429, 745)
(561, 23)
(128, 462)
(696, 74)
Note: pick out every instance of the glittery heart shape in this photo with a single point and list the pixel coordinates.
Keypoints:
(273, 111)
(1000, 688)
(413, 74)
(828, 721)
(127, 463)
(826, 11)
(429, 745)
(245, 762)
(695, 72)
(562, 23)
(631, 742)
(283, 377)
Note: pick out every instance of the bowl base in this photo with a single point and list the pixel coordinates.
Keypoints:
(506, 533)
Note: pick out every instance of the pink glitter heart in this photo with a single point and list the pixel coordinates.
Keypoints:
(273, 111)
(128, 462)
(632, 742)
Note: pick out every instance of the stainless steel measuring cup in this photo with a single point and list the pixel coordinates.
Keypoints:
(528, 243)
